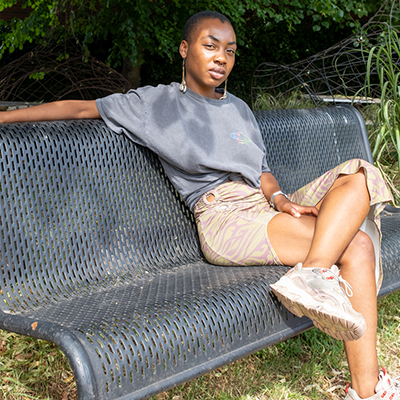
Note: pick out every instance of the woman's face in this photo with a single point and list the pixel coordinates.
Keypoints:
(209, 56)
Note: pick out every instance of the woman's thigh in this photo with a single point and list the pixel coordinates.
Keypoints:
(291, 237)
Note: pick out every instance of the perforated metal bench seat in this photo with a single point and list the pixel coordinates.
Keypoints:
(99, 255)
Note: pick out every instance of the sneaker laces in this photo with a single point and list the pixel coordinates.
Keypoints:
(348, 290)
(395, 383)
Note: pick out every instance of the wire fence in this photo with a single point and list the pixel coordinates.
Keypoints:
(334, 75)
(58, 72)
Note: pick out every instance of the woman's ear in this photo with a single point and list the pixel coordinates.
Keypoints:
(183, 48)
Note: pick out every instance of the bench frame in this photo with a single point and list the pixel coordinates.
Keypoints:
(101, 257)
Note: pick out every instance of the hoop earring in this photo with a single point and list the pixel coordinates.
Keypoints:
(183, 86)
(225, 89)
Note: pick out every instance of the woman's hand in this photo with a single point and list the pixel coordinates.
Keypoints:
(284, 205)
(269, 186)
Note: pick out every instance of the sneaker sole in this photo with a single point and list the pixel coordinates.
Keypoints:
(336, 326)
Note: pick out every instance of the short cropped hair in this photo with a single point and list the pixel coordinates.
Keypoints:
(194, 21)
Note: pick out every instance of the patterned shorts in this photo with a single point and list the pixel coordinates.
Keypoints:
(233, 227)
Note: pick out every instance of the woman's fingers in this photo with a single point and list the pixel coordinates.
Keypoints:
(291, 209)
(310, 211)
(296, 210)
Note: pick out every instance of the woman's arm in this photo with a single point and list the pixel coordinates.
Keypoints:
(59, 110)
(269, 186)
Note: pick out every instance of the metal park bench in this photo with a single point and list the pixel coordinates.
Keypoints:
(100, 256)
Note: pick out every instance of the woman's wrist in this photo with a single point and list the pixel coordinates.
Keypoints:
(279, 201)
(275, 195)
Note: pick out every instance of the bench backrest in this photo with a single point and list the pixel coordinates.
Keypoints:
(303, 144)
(83, 208)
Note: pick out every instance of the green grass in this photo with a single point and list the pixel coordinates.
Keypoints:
(384, 58)
(33, 369)
(387, 161)
(311, 365)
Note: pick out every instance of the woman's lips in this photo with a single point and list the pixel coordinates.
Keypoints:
(217, 73)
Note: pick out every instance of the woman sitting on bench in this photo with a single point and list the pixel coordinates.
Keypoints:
(211, 148)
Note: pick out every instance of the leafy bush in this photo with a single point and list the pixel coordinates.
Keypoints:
(147, 33)
(385, 59)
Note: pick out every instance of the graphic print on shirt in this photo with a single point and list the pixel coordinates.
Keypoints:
(240, 137)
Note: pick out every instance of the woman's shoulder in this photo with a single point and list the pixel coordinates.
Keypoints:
(240, 104)
(239, 101)
(156, 90)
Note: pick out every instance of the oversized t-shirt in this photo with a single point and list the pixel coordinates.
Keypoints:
(201, 142)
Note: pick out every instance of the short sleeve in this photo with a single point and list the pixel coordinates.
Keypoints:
(265, 167)
(124, 114)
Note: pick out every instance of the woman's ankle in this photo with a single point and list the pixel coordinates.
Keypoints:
(365, 385)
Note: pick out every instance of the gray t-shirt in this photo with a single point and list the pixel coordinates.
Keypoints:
(201, 142)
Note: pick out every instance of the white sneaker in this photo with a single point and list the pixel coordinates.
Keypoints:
(318, 294)
(386, 389)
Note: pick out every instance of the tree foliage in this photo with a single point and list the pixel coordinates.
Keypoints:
(147, 30)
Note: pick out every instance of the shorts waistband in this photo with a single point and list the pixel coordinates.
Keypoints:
(230, 191)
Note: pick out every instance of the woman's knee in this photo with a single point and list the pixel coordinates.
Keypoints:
(358, 184)
(357, 179)
(360, 250)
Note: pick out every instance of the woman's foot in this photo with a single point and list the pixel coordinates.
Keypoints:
(386, 389)
(318, 294)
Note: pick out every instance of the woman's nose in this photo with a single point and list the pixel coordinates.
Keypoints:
(221, 57)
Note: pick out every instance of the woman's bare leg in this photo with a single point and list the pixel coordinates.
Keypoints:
(321, 241)
(334, 238)
(358, 268)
